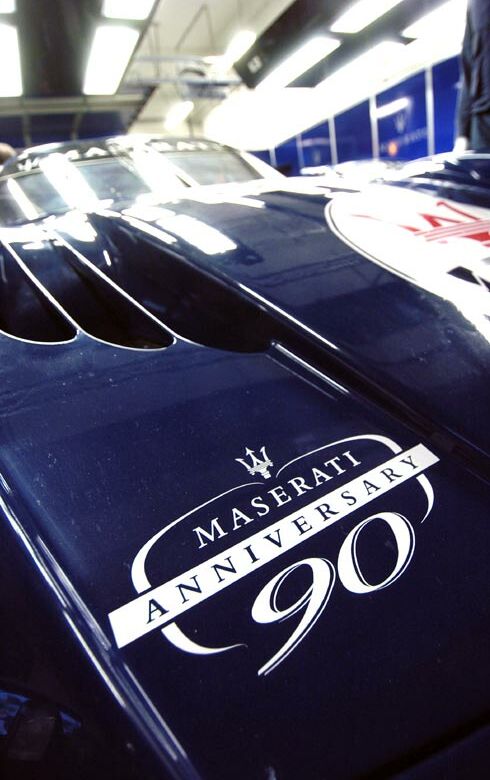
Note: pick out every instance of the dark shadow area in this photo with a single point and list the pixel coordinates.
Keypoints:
(24, 311)
(195, 305)
(90, 299)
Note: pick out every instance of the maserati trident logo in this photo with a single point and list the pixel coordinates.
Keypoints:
(401, 122)
(257, 466)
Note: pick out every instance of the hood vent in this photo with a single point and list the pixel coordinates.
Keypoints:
(25, 312)
(88, 298)
(193, 304)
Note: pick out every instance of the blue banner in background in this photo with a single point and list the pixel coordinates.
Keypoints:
(287, 157)
(353, 134)
(11, 131)
(445, 81)
(315, 146)
(403, 134)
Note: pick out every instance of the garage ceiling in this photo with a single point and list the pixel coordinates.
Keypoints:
(55, 37)
(197, 29)
(54, 40)
(177, 58)
(181, 34)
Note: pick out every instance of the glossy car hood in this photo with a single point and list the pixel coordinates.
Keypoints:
(247, 450)
(380, 284)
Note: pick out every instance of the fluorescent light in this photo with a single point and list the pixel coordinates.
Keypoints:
(427, 51)
(300, 61)
(127, 9)
(361, 72)
(7, 7)
(178, 113)
(10, 74)
(392, 108)
(239, 44)
(444, 20)
(111, 51)
(362, 13)
(257, 119)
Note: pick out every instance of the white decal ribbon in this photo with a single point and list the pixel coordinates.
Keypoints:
(163, 604)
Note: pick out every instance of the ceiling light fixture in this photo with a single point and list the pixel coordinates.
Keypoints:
(361, 14)
(392, 108)
(10, 73)
(448, 17)
(238, 46)
(127, 9)
(300, 61)
(111, 51)
(363, 71)
(177, 114)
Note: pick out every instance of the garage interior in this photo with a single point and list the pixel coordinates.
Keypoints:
(300, 84)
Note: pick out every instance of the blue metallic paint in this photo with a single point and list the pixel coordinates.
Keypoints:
(292, 340)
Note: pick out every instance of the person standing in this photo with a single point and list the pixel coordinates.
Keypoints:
(473, 116)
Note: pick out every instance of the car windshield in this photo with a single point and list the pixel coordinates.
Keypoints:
(57, 182)
(213, 167)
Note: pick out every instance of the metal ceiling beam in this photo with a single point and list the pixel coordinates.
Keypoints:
(194, 82)
(172, 58)
(68, 105)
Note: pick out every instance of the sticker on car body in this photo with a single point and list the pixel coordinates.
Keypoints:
(440, 245)
(250, 526)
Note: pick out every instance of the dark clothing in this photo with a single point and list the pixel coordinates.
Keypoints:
(480, 132)
(474, 101)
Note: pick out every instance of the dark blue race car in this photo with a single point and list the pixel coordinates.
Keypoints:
(244, 469)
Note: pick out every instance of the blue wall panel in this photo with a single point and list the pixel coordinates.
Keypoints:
(11, 131)
(315, 146)
(287, 159)
(403, 135)
(353, 133)
(48, 128)
(445, 79)
(103, 123)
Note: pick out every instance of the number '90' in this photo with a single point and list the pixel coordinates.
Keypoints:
(314, 600)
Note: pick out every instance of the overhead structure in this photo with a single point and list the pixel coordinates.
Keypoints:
(56, 56)
(167, 66)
